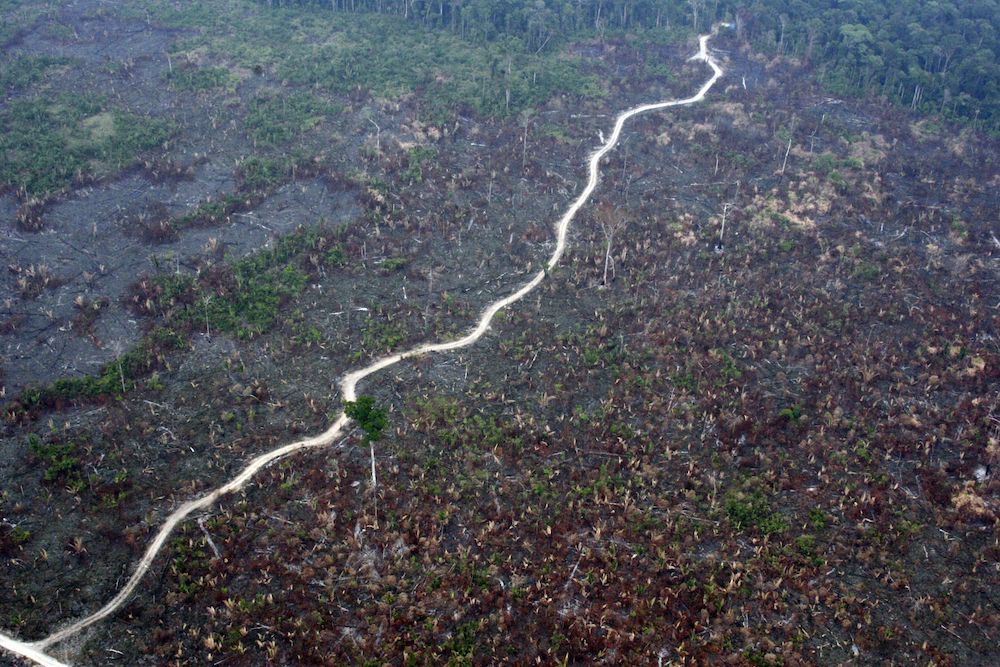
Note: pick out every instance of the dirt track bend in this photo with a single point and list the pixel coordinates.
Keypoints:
(36, 651)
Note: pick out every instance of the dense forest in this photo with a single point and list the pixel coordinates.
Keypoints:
(935, 57)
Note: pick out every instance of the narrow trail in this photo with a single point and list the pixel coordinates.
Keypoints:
(36, 651)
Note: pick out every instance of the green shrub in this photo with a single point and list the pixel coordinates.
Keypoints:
(791, 414)
(751, 510)
(191, 78)
(260, 173)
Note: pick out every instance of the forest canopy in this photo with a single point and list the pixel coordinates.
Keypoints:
(934, 57)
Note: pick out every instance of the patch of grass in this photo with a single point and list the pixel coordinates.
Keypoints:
(555, 132)
(394, 264)
(304, 334)
(189, 77)
(47, 143)
(828, 164)
(57, 456)
(863, 452)
(386, 56)
(415, 159)
(382, 336)
(867, 271)
(684, 380)
(189, 558)
(209, 212)
(98, 128)
(116, 377)
(12, 539)
(461, 646)
(751, 510)
(17, 73)
(263, 173)
(244, 297)
(251, 308)
(275, 119)
(19, 535)
(730, 371)
(818, 519)
(447, 422)
(779, 218)
(334, 256)
(654, 69)
(805, 545)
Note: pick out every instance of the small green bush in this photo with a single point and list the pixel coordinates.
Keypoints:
(57, 456)
(191, 78)
(752, 511)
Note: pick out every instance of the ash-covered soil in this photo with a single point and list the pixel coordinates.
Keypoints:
(770, 445)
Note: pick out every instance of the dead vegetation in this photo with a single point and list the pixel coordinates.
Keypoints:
(780, 450)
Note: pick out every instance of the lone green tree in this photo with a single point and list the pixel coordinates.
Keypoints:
(372, 421)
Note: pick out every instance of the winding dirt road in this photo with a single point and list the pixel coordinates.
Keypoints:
(36, 651)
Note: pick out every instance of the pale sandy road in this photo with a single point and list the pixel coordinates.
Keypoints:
(29, 652)
(36, 651)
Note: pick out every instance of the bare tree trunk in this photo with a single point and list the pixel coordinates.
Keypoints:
(378, 137)
(507, 85)
(788, 149)
(695, 8)
(722, 232)
(208, 330)
(524, 146)
(609, 234)
(208, 538)
(610, 220)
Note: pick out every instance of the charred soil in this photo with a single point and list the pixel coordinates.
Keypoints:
(751, 418)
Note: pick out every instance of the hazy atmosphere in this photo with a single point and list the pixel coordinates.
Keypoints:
(620, 332)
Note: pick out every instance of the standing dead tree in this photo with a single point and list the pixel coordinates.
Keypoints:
(611, 220)
(788, 149)
(378, 136)
(720, 244)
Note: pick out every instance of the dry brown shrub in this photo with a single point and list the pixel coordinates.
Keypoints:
(972, 505)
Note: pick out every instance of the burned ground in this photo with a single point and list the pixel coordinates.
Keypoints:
(777, 449)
